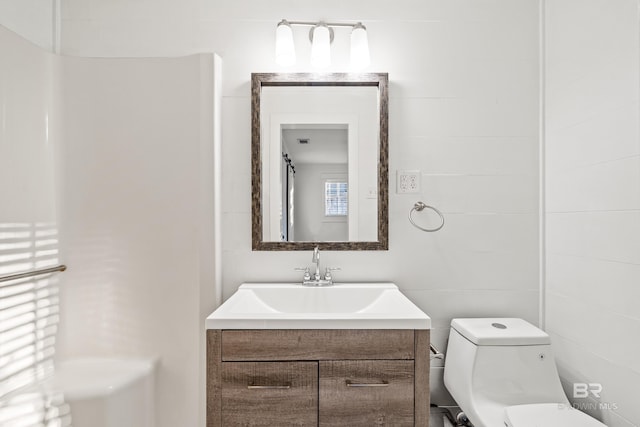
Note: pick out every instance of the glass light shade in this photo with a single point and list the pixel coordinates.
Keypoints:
(359, 48)
(285, 50)
(320, 47)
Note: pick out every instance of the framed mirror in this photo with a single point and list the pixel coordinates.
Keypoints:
(319, 161)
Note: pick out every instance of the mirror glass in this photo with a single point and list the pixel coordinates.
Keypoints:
(319, 160)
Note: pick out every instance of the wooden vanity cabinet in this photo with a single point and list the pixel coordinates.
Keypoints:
(269, 393)
(366, 393)
(302, 377)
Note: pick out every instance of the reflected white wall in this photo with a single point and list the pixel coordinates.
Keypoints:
(357, 109)
(310, 219)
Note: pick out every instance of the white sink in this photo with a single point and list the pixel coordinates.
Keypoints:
(341, 306)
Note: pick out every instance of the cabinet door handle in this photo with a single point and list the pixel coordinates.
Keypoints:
(380, 384)
(252, 386)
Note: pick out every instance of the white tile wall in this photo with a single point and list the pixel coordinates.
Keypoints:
(593, 200)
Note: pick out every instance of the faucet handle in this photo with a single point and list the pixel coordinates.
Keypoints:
(307, 273)
(327, 272)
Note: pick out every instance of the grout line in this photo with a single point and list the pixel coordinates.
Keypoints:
(592, 211)
(576, 168)
(592, 258)
(586, 302)
(542, 176)
(584, 349)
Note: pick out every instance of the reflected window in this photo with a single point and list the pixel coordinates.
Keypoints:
(336, 198)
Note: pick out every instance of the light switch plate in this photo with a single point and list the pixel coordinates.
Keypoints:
(372, 193)
(407, 181)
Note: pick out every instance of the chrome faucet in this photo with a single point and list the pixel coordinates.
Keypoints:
(317, 279)
(316, 259)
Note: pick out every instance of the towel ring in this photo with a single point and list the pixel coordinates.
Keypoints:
(419, 206)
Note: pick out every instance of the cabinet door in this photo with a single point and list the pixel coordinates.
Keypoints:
(269, 394)
(366, 393)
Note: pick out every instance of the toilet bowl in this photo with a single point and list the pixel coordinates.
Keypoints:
(502, 373)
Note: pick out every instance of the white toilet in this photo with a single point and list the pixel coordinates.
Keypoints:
(502, 373)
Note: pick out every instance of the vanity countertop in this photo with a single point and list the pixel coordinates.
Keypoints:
(341, 306)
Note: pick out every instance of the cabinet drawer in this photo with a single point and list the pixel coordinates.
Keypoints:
(312, 344)
(269, 393)
(366, 393)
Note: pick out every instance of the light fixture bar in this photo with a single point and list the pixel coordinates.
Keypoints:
(321, 37)
(328, 24)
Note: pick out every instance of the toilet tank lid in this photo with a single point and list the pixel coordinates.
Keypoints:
(500, 331)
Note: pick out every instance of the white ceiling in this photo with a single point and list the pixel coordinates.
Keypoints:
(327, 143)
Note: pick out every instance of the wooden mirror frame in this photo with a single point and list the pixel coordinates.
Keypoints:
(379, 80)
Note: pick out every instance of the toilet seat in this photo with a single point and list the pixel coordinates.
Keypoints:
(548, 415)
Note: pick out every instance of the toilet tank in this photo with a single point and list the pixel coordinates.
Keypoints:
(497, 362)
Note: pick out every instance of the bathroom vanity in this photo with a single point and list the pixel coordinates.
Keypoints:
(324, 354)
(339, 377)
(345, 355)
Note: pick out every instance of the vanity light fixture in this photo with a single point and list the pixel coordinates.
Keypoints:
(321, 37)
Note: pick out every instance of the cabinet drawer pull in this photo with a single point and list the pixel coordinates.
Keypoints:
(252, 386)
(381, 384)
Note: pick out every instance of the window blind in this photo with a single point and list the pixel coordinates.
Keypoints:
(335, 198)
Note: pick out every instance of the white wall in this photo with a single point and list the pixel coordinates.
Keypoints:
(593, 200)
(29, 236)
(35, 20)
(463, 110)
(310, 220)
(27, 134)
(136, 214)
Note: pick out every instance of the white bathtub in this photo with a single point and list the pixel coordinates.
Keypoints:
(107, 392)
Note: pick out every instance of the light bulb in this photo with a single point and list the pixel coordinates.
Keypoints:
(285, 50)
(320, 47)
(359, 47)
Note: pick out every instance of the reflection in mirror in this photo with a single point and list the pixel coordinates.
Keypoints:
(314, 178)
(319, 162)
(329, 135)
